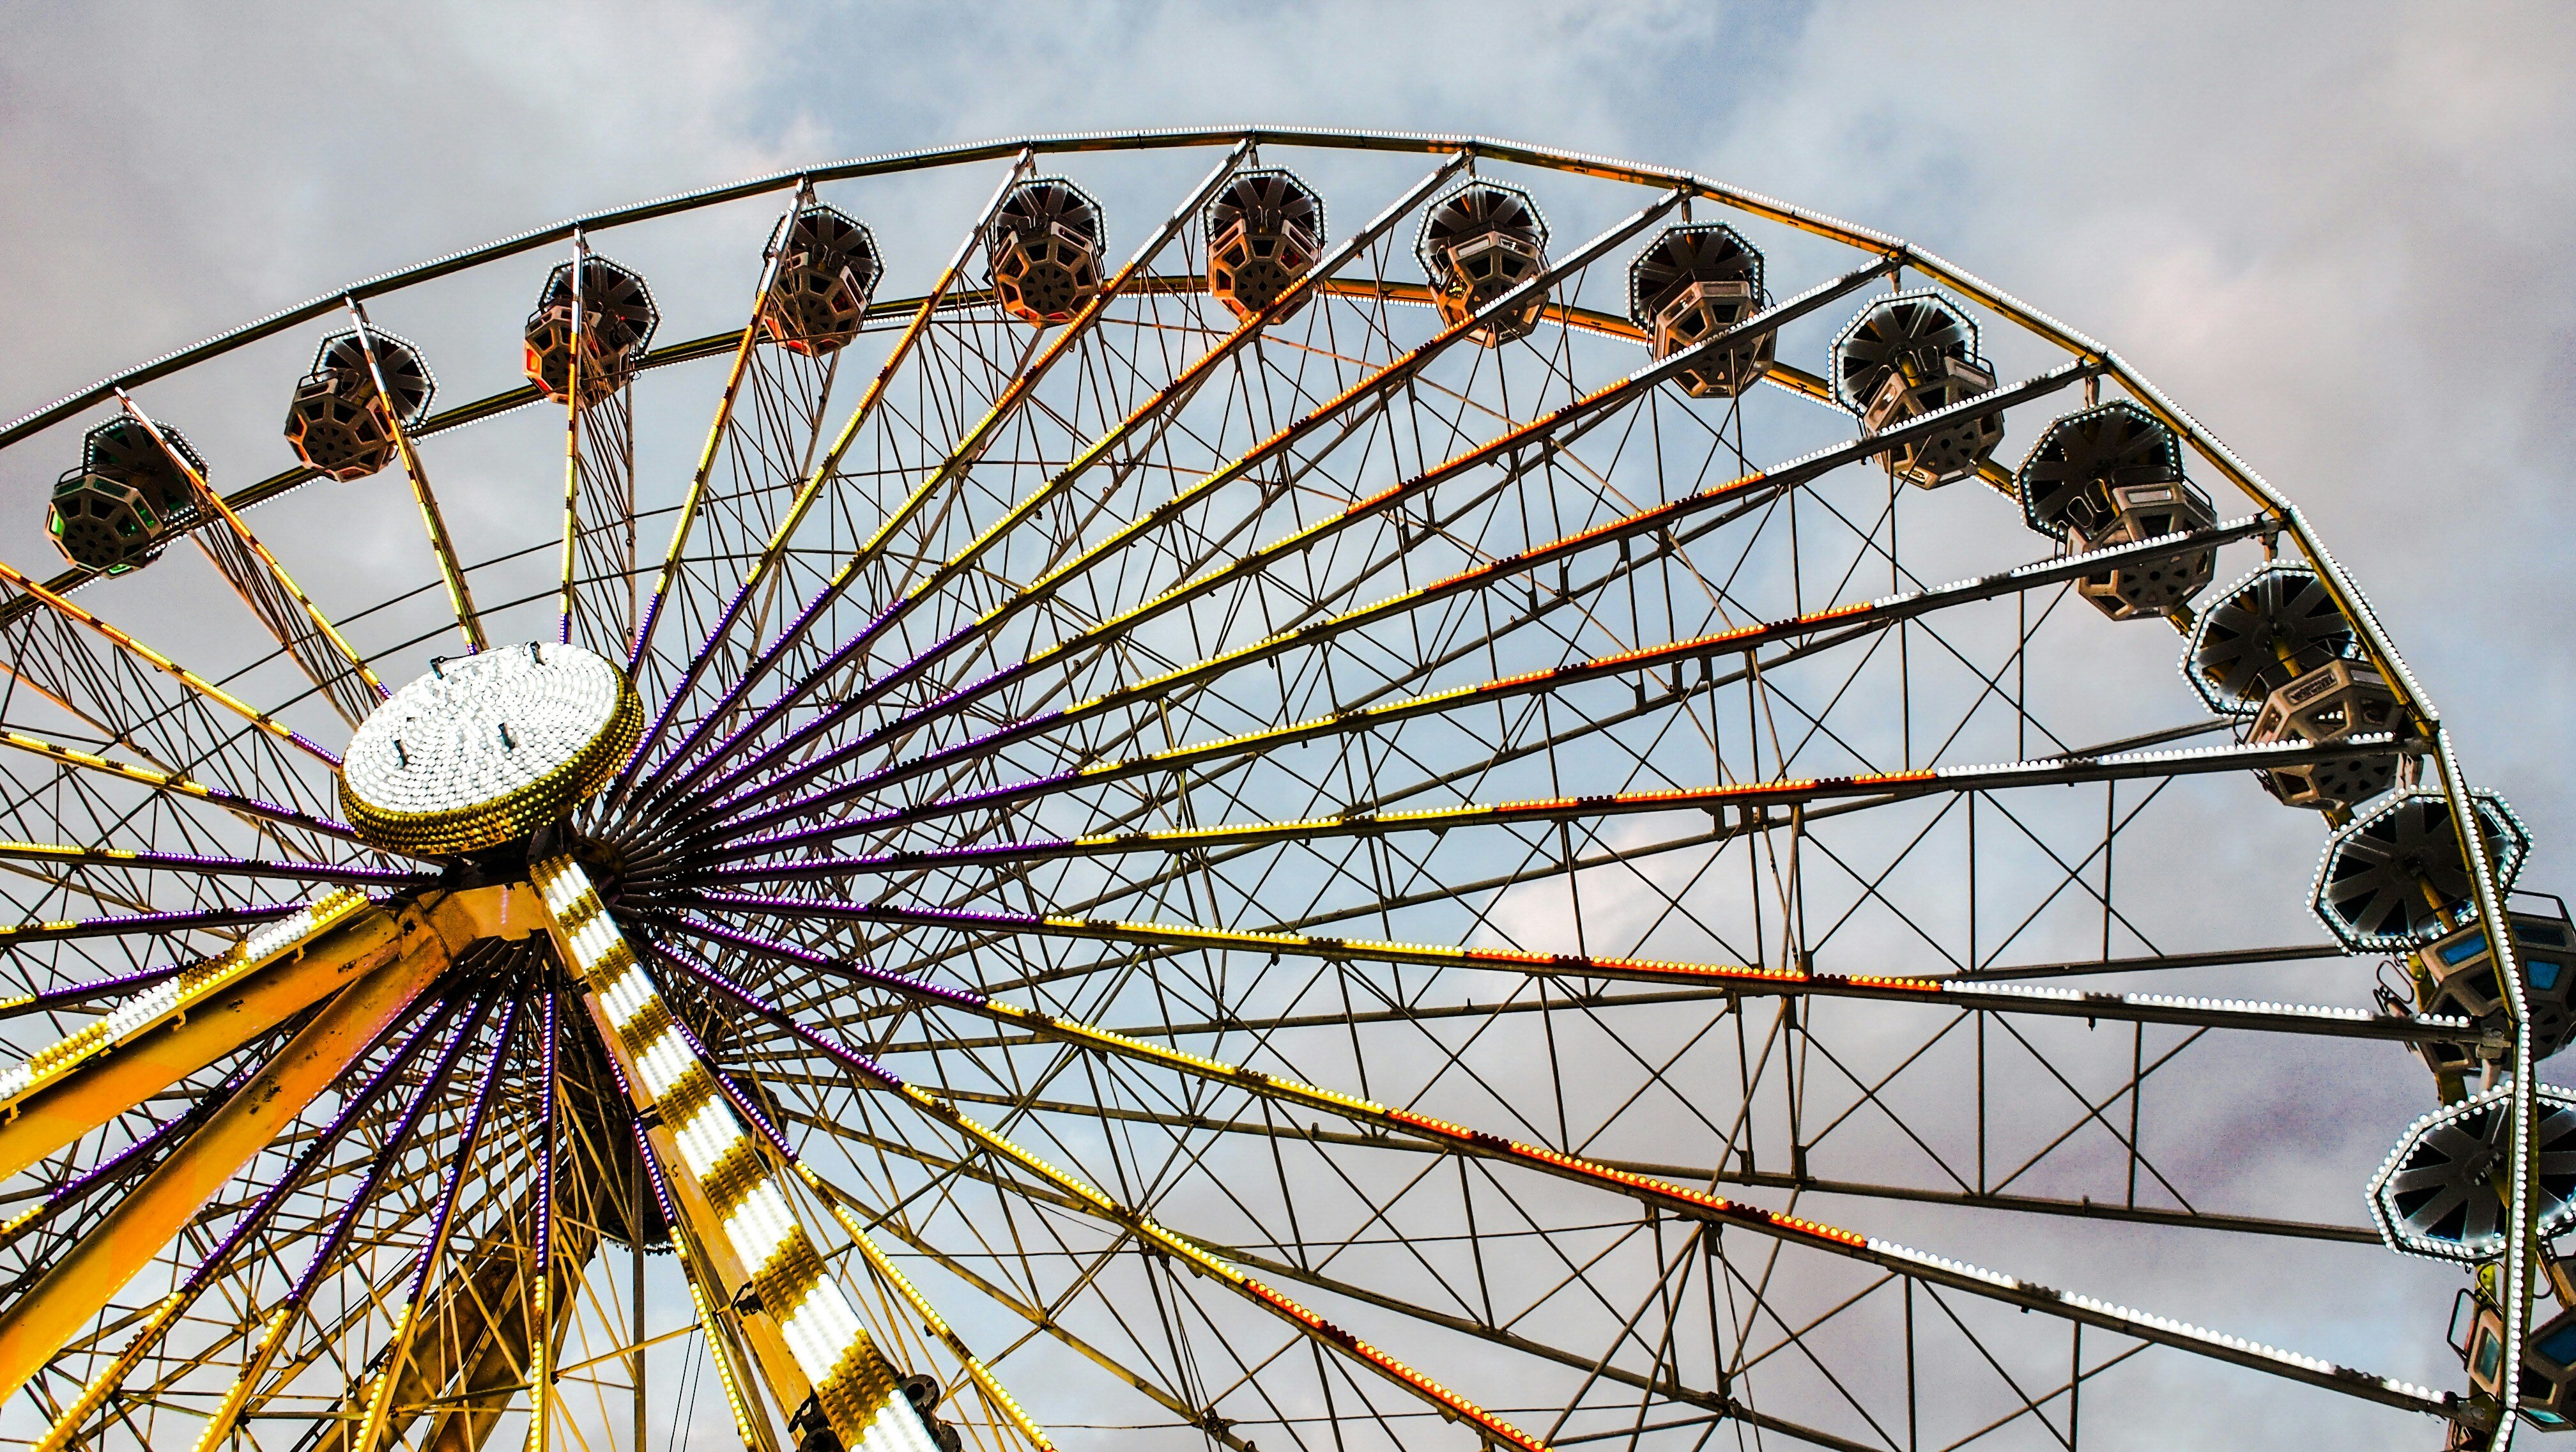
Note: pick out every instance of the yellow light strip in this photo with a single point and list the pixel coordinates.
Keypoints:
(682, 527)
(166, 781)
(460, 596)
(1495, 1430)
(172, 998)
(753, 1430)
(572, 440)
(10, 575)
(936, 1324)
(932, 1322)
(241, 531)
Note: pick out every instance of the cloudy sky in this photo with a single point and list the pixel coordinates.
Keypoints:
(2336, 232)
(2331, 230)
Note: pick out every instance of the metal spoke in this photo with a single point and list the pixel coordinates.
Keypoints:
(1375, 392)
(214, 866)
(162, 664)
(460, 595)
(824, 470)
(1197, 827)
(1765, 484)
(694, 500)
(1667, 1197)
(1183, 385)
(176, 785)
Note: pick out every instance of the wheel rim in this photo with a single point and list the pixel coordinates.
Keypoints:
(1363, 709)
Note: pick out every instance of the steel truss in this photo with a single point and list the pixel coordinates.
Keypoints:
(1280, 877)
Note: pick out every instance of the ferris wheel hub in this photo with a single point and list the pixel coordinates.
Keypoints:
(487, 748)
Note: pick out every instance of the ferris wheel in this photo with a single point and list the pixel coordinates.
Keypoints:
(1554, 810)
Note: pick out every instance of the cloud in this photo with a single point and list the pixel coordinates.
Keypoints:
(2337, 233)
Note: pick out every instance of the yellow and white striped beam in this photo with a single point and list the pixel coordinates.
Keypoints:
(72, 1086)
(802, 1326)
(1089, 1199)
(1673, 1198)
(998, 1399)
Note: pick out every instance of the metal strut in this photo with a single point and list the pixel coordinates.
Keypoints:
(1671, 1198)
(460, 595)
(805, 1337)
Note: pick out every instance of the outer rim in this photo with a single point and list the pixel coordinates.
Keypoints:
(1941, 271)
(2355, 607)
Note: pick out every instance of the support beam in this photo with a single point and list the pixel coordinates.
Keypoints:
(272, 1335)
(1088, 1199)
(470, 1347)
(175, 784)
(488, 1308)
(998, 1400)
(187, 1021)
(451, 571)
(399, 954)
(812, 1351)
(398, 1370)
(162, 664)
(300, 628)
(1670, 1198)
(114, 1169)
(73, 1289)
(720, 1322)
(1747, 979)
(1154, 410)
(1039, 1318)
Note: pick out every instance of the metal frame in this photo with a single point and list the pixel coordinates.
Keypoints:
(969, 618)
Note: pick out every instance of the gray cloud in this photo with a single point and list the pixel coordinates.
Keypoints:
(2335, 232)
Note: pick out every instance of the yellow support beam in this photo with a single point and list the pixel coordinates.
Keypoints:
(180, 1025)
(164, 665)
(95, 1268)
(998, 1400)
(468, 1344)
(806, 1339)
(708, 456)
(460, 597)
(1003, 1406)
(251, 809)
(285, 582)
(392, 955)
